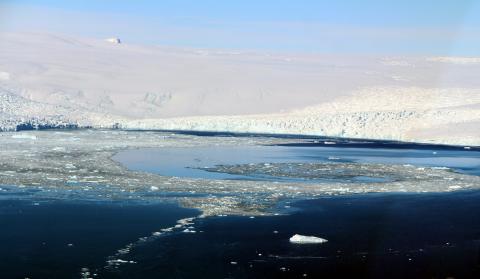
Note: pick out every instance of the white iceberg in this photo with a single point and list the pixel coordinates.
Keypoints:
(304, 239)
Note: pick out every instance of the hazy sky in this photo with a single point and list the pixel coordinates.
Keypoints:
(440, 27)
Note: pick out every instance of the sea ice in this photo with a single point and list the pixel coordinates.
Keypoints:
(84, 168)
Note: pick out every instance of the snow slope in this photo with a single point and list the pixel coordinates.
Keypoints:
(56, 79)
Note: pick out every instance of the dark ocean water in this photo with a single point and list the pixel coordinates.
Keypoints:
(56, 239)
(370, 236)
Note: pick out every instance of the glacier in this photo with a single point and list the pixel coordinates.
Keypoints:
(59, 81)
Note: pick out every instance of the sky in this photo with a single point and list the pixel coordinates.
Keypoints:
(433, 27)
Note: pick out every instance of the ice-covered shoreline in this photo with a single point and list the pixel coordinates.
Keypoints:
(456, 123)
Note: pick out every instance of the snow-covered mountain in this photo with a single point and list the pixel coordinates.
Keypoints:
(54, 80)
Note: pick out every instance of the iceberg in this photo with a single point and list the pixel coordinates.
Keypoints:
(303, 239)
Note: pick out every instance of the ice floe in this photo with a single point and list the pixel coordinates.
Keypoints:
(83, 167)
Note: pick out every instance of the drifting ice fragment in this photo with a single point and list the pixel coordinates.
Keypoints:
(303, 239)
(333, 158)
(24, 136)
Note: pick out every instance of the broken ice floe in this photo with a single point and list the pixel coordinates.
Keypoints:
(78, 164)
(183, 225)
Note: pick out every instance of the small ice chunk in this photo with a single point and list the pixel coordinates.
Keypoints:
(189, 231)
(154, 188)
(303, 239)
(118, 261)
(440, 168)
(24, 136)
(70, 166)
